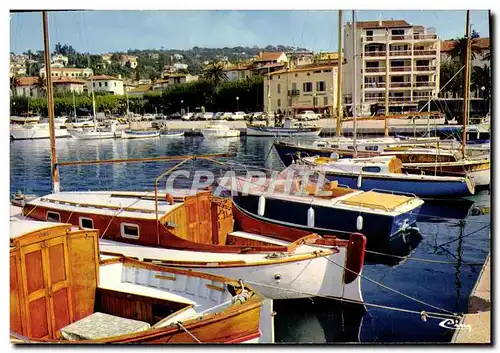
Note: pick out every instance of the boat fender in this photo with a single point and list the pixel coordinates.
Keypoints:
(169, 198)
(360, 179)
(310, 217)
(262, 206)
(359, 222)
(355, 257)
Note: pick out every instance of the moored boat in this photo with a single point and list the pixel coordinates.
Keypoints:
(387, 173)
(33, 131)
(197, 230)
(324, 209)
(253, 130)
(217, 130)
(95, 133)
(139, 134)
(61, 293)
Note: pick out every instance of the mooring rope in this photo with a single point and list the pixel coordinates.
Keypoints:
(466, 235)
(187, 331)
(391, 289)
(420, 259)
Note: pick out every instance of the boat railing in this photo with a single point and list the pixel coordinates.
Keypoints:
(394, 192)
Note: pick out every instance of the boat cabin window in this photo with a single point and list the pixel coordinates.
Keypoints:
(350, 147)
(130, 230)
(53, 216)
(334, 146)
(321, 145)
(86, 222)
(371, 148)
(371, 169)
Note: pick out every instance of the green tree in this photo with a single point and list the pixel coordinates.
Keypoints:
(459, 48)
(215, 73)
(14, 82)
(481, 81)
(41, 84)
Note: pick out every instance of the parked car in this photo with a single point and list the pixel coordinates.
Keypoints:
(206, 116)
(148, 117)
(160, 117)
(219, 116)
(259, 116)
(175, 115)
(188, 116)
(238, 116)
(307, 115)
(228, 116)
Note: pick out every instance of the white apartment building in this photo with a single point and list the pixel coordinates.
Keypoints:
(68, 84)
(58, 71)
(306, 87)
(405, 56)
(61, 59)
(104, 83)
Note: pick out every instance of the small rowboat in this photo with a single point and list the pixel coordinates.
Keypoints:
(136, 134)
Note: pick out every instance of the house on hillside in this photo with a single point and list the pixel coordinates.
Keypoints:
(61, 59)
(68, 84)
(104, 83)
(239, 71)
(267, 62)
(59, 71)
(27, 87)
(140, 90)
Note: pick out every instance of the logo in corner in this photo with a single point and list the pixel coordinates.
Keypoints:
(454, 324)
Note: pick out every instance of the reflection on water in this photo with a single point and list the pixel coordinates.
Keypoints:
(444, 285)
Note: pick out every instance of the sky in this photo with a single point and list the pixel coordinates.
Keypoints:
(103, 31)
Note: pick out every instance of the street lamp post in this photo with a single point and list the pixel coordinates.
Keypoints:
(182, 106)
(237, 103)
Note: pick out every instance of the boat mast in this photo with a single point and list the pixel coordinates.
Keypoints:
(387, 82)
(126, 95)
(338, 129)
(50, 105)
(466, 83)
(354, 76)
(74, 105)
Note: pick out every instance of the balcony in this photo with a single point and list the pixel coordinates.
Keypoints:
(400, 53)
(400, 69)
(293, 93)
(400, 85)
(374, 53)
(428, 52)
(373, 85)
(420, 36)
(405, 37)
(431, 84)
(430, 68)
(400, 99)
(374, 69)
(401, 37)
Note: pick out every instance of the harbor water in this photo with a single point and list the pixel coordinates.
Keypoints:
(453, 238)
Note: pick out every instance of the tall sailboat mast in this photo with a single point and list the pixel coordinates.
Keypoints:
(354, 76)
(466, 83)
(50, 105)
(338, 130)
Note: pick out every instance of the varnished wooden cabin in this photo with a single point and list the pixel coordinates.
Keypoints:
(60, 293)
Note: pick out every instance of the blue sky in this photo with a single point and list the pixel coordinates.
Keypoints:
(107, 31)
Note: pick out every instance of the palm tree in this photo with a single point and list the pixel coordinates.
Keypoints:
(459, 48)
(41, 84)
(14, 82)
(215, 73)
(487, 56)
(481, 78)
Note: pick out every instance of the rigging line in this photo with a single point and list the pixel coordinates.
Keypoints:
(388, 288)
(466, 235)
(433, 315)
(187, 331)
(447, 218)
(421, 260)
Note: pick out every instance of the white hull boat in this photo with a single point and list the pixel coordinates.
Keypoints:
(218, 130)
(36, 131)
(130, 134)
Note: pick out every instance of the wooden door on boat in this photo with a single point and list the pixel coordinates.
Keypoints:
(205, 217)
(16, 298)
(44, 268)
(222, 220)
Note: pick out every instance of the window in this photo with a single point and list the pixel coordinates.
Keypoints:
(106, 84)
(115, 84)
(325, 101)
(307, 86)
(279, 76)
(53, 216)
(371, 148)
(317, 71)
(371, 64)
(279, 87)
(334, 146)
(72, 74)
(371, 169)
(129, 230)
(398, 32)
(315, 100)
(86, 222)
(321, 86)
(294, 86)
(270, 77)
(279, 102)
(100, 84)
(327, 70)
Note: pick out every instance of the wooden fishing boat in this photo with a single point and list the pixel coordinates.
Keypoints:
(139, 134)
(289, 201)
(196, 230)
(60, 293)
(216, 129)
(387, 173)
(170, 133)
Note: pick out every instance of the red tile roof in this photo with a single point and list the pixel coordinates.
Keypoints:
(27, 80)
(483, 43)
(308, 67)
(66, 79)
(384, 24)
(104, 77)
(268, 56)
